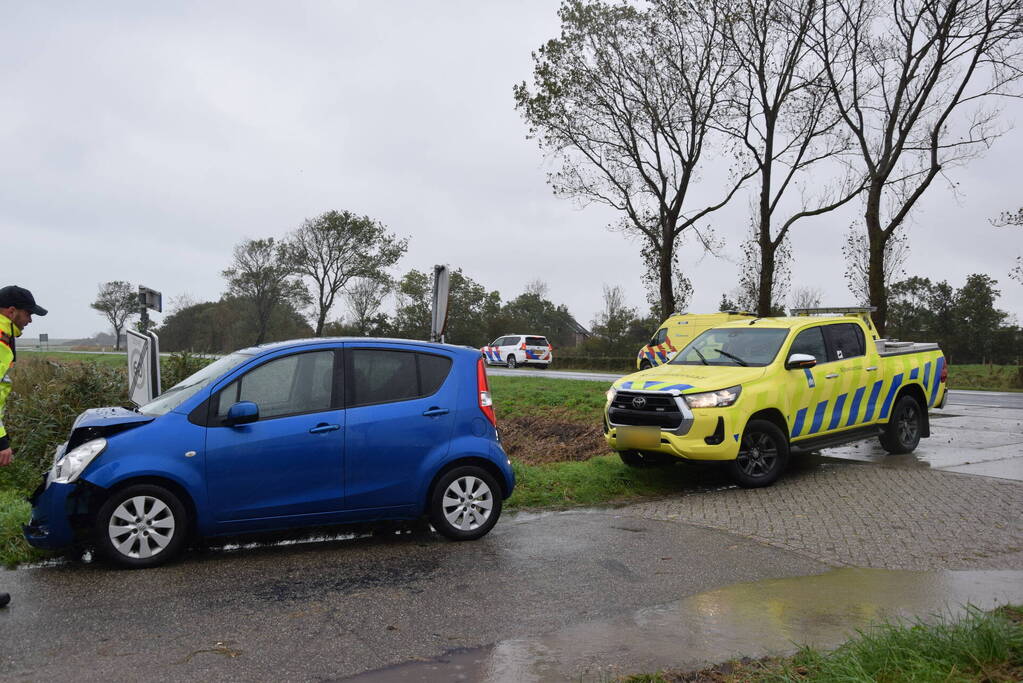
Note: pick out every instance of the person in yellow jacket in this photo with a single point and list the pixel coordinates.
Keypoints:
(17, 306)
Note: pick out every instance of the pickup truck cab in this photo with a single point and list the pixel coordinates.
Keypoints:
(749, 392)
(677, 331)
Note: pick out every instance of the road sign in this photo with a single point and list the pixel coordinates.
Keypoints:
(439, 321)
(143, 367)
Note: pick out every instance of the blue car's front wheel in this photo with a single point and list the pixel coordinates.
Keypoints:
(465, 503)
(141, 526)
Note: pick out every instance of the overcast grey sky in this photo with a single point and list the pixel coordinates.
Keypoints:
(142, 141)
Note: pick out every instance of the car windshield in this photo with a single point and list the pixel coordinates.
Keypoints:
(186, 388)
(733, 346)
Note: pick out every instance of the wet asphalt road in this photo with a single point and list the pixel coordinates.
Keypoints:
(332, 609)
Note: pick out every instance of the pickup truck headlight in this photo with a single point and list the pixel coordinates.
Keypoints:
(714, 399)
(610, 395)
(74, 462)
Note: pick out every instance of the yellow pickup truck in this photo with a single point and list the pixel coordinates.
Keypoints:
(750, 392)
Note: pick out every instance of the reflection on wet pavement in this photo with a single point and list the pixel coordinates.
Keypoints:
(966, 439)
(746, 619)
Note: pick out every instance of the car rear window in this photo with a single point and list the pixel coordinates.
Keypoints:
(536, 341)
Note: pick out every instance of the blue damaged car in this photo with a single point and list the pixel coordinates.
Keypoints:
(282, 436)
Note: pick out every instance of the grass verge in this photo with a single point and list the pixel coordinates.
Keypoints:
(986, 377)
(979, 646)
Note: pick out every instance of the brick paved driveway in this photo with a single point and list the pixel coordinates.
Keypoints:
(862, 515)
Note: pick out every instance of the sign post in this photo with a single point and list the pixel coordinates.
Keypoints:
(439, 319)
(144, 352)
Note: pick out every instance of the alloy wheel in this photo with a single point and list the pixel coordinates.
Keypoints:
(141, 527)
(758, 454)
(467, 503)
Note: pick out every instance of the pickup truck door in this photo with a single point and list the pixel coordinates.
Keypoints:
(855, 377)
(806, 389)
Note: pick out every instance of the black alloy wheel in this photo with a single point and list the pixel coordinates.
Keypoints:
(512, 364)
(763, 455)
(905, 426)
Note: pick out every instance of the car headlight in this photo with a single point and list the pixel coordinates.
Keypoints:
(74, 462)
(714, 399)
(610, 395)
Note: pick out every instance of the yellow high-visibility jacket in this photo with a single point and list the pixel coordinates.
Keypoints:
(8, 333)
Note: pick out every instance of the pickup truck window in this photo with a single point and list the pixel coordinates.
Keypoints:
(811, 341)
(733, 346)
(846, 340)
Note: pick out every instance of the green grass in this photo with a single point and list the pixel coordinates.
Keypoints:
(986, 377)
(979, 646)
(600, 480)
(514, 396)
(109, 359)
(14, 511)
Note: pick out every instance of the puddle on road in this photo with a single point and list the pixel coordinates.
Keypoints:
(747, 619)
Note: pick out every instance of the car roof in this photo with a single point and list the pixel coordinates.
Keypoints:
(316, 341)
(528, 334)
(789, 322)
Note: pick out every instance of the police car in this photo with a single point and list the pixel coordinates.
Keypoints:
(519, 349)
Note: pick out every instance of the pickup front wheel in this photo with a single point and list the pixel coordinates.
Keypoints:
(763, 455)
(904, 428)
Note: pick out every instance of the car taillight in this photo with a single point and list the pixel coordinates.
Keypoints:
(483, 389)
(523, 347)
(944, 372)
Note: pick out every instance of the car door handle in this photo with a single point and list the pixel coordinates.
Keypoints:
(833, 375)
(321, 428)
(434, 412)
(872, 368)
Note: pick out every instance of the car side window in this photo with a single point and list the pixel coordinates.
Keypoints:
(386, 376)
(846, 340)
(300, 383)
(811, 341)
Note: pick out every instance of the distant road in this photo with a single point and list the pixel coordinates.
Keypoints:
(961, 397)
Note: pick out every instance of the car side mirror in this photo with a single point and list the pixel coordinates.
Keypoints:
(800, 361)
(241, 413)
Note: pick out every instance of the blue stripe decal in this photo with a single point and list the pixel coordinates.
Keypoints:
(927, 375)
(914, 373)
(680, 387)
(937, 381)
(818, 417)
(836, 416)
(809, 378)
(896, 383)
(872, 403)
(626, 385)
(855, 410)
(798, 427)
(736, 436)
(648, 383)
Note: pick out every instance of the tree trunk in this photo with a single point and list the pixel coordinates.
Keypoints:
(766, 277)
(321, 320)
(664, 273)
(876, 240)
(767, 247)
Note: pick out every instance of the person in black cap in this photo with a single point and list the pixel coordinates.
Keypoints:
(17, 306)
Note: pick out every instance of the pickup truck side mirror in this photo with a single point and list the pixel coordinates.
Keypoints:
(799, 361)
(241, 413)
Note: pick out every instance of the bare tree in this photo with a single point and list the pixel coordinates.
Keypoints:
(117, 301)
(782, 114)
(915, 82)
(624, 101)
(365, 297)
(537, 287)
(1013, 218)
(856, 251)
(335, 247)
(261, 274)
(807, 297)
(748, 294)
(612, 323)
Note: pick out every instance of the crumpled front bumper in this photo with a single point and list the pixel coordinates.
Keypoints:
(50, 527)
